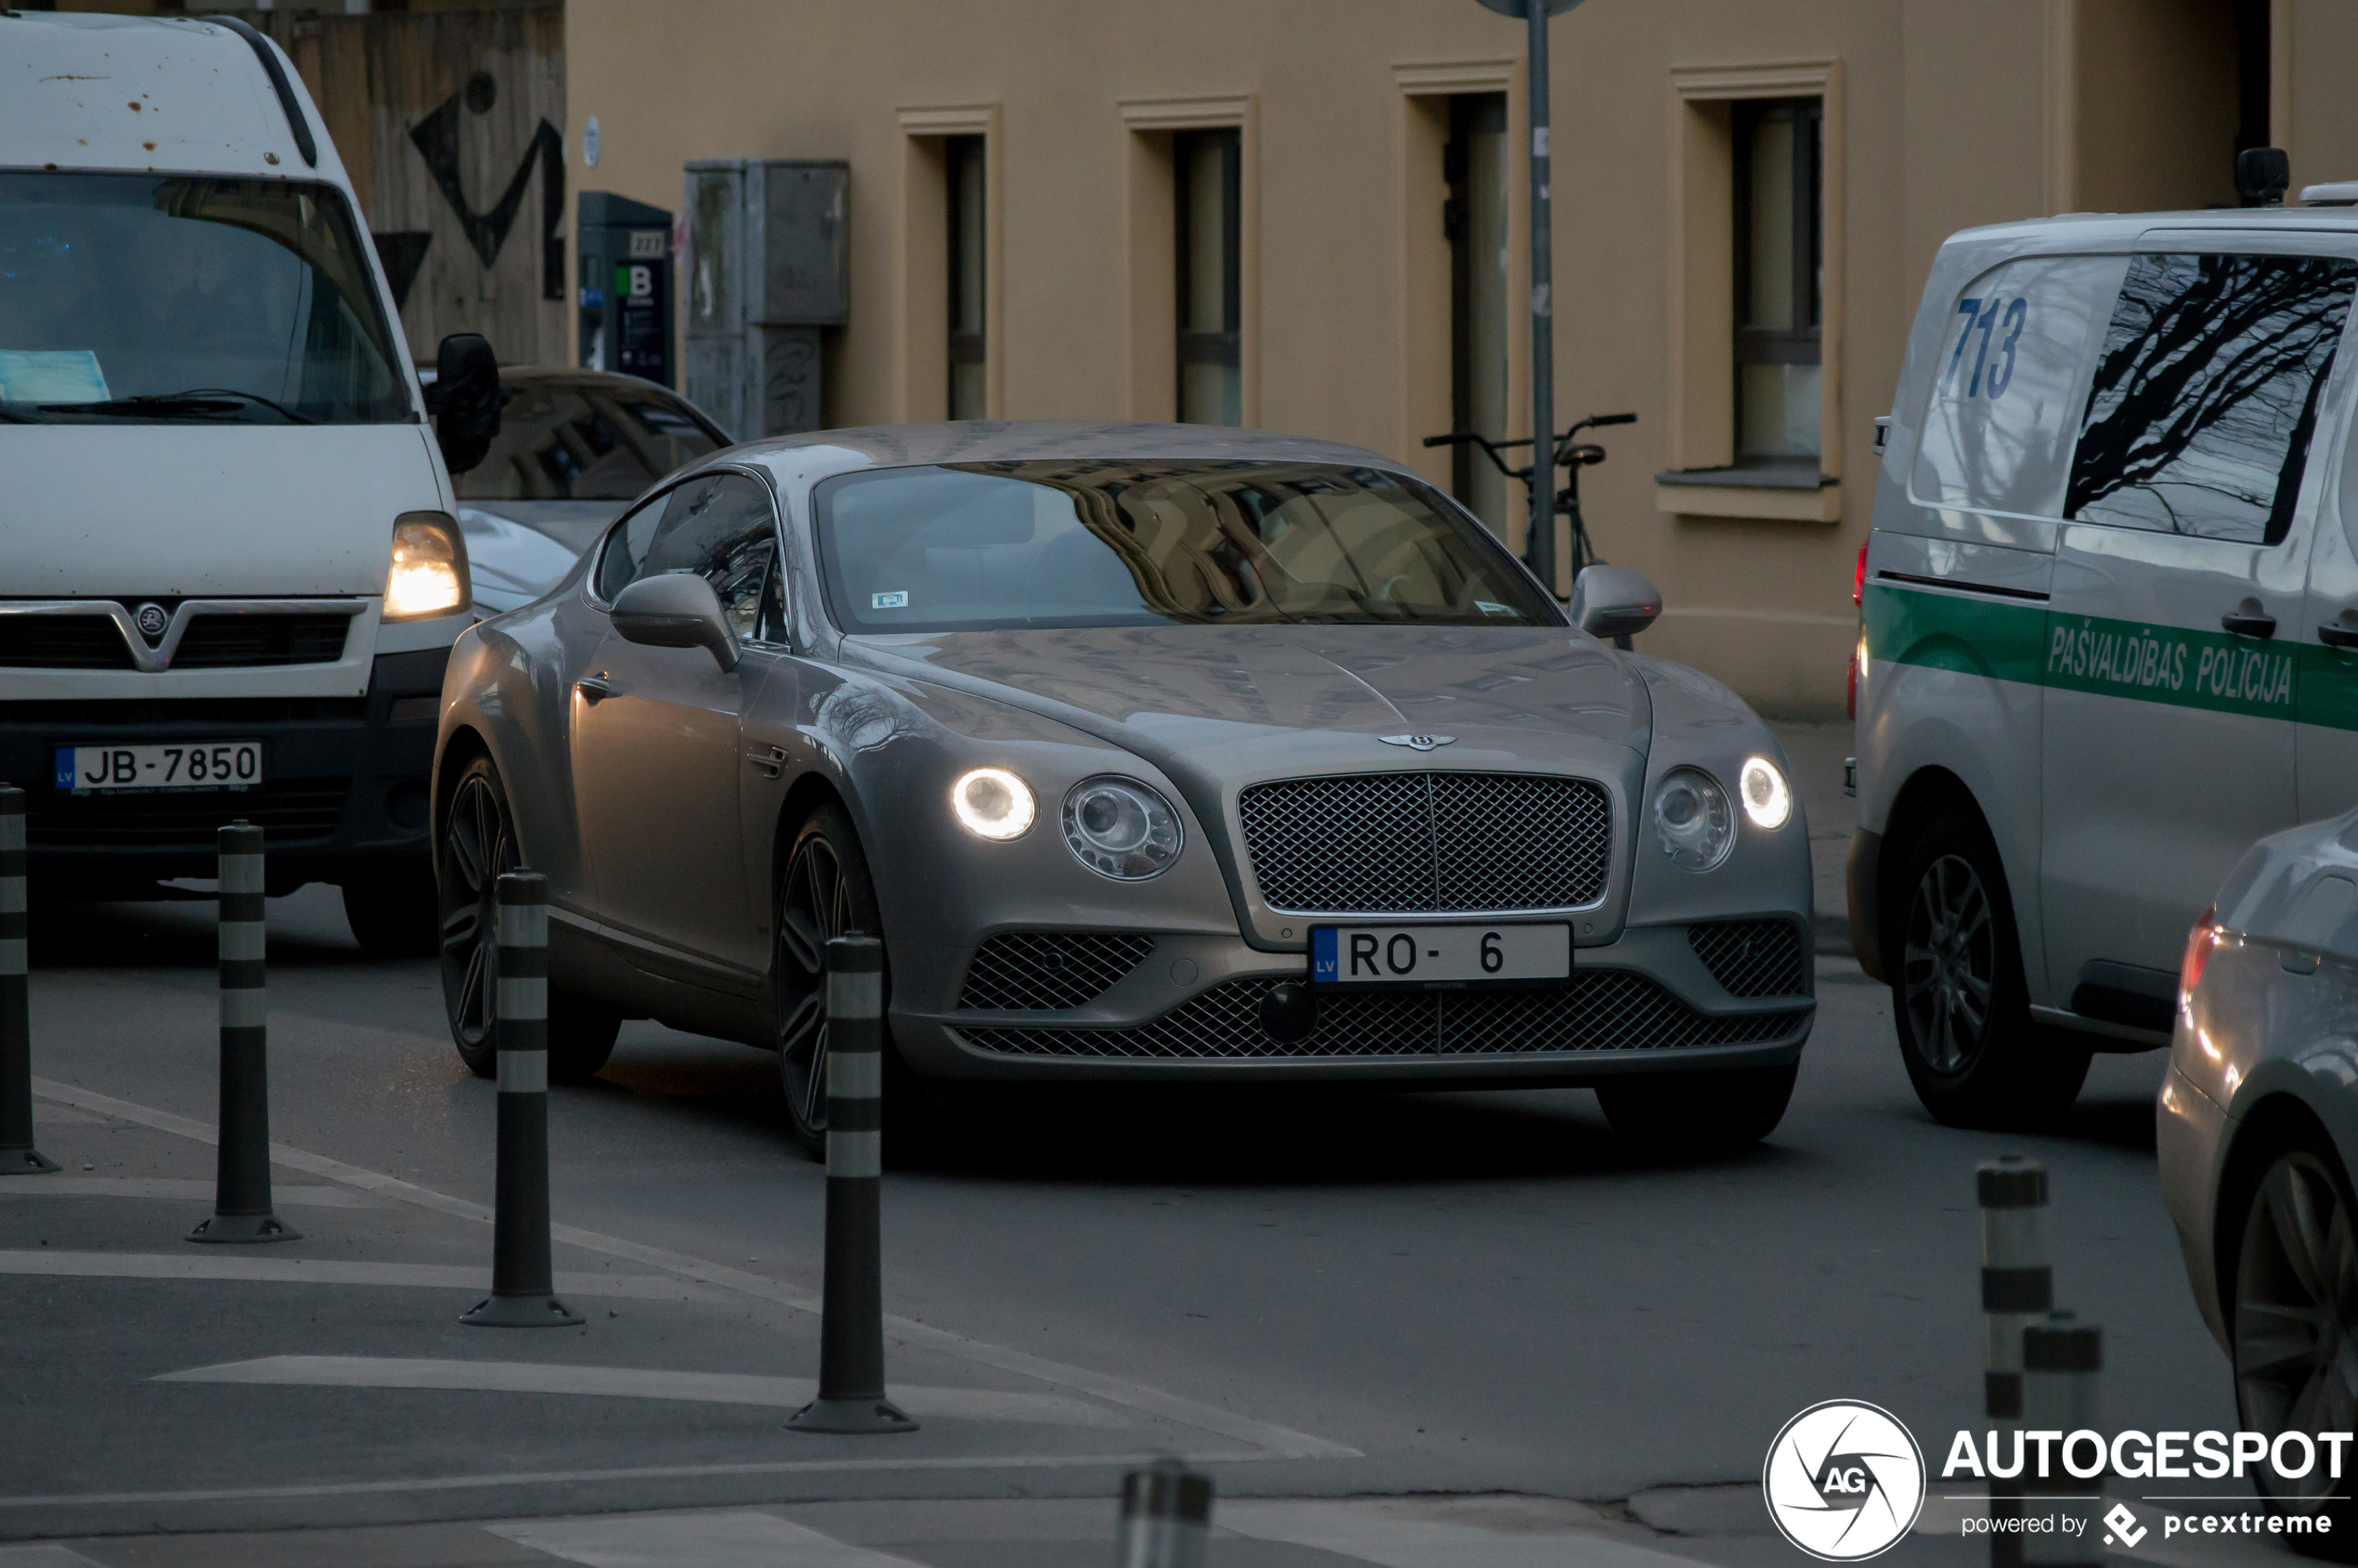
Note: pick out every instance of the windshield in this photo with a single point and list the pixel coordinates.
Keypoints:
(145, 297)
(984, 546)
(588, 437)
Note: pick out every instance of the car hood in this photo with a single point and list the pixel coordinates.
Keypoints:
(1241, 702)
(517, 551)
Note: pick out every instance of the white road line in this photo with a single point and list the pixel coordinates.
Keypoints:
(698, 1540)
(193, 1191)
(208, 1264)
(630, 1382)
(1276, 1442)
(1406, 1534)
(44, 1554)
(605, 1477)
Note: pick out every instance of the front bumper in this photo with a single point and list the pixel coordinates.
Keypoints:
(344, 787)
(1658, 999)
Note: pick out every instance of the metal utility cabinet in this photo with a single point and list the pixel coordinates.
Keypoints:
(767, 242)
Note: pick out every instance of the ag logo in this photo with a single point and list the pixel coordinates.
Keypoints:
(1844, 1480)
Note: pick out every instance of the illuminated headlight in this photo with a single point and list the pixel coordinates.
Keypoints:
(429, 575)
(1120, 828)
(1767, 799)
(992, 803)
(1693, 822)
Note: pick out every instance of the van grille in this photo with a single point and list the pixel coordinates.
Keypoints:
(62, 642)
(223, 641)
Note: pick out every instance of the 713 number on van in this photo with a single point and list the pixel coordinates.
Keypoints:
(1998, 322)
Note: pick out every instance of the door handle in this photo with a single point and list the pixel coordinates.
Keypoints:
(594, 687)
(2338, 636)
(2246, 625)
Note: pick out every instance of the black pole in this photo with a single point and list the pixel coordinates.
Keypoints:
(852, 1371)
(524, 1285)
(1543, 308)
(241, 1179)
(1166, 1516)
(18, 1157)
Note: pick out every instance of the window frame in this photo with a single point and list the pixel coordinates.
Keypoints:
(1194, 345)
(1802, 343)
(662, 496)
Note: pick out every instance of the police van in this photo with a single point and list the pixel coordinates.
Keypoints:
(230, 570)
(2108, 626)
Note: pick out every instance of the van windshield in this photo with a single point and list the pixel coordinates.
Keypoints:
(989, 546)
(147, 298)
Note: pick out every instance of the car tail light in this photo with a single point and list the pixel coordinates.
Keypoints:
(1858, 578)
(2201, 942)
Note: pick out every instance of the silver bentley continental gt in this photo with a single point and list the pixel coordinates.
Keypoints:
(1154, 753)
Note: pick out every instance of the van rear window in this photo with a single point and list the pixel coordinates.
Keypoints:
(2206, 393)
(147, 298)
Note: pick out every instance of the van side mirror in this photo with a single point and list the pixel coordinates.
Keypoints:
(1613, 602)
(675, 609)
(464, 400)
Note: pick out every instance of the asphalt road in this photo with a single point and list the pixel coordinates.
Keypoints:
(1459, 1320)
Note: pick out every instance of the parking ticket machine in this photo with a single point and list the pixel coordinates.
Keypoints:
(626, 287)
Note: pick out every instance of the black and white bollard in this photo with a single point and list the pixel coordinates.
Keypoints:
(1166, 1518)
(524, 1285)
(18, 1157)
(2017, 1288)
(851, 1371)
(241, 1181)
(2062, 1359)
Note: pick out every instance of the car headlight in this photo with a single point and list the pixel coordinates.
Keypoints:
(1119, 828)
(1767, 799)
(992, 803)
(429, 573)
(1692, 820)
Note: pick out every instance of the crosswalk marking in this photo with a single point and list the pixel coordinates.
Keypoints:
(1410, 1535)
(191, 1191)
(697, 1540)
(200, 1264)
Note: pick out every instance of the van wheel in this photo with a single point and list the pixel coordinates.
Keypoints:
(1958, 995)
(2294, 1314)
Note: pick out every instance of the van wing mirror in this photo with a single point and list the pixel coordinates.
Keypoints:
(464, 400)
(675, 609)
(1613, 602)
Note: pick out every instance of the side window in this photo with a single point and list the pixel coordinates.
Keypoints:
(724, 531)
(627, 545)
(2008, 386)
(2206, 393)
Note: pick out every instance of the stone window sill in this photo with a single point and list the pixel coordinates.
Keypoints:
(1776, 495)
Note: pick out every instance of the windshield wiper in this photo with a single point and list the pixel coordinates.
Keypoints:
(199, 401)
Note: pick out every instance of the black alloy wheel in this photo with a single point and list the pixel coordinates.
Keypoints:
(478, 843)
(2295, 1324)
(824, 893)
(1959, 1000)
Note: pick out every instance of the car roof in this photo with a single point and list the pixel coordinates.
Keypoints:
(169, 94)
(911, 445)
(2116, 230)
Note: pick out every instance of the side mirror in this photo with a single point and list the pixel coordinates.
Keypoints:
(675, 609)
(1613, 602)
(464, 400)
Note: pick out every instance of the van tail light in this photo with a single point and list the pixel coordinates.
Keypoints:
(2201, 942)
(1858, 578)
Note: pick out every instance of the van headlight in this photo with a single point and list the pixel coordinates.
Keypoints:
(1119, 828)
(1693, 822)
(992, 803)
(1767, 799)
(429, 572)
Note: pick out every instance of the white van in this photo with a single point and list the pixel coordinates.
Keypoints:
(2110, 630)
(230, 573)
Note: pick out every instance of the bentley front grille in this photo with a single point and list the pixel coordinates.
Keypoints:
(1751, 957)
(1047, 970)
(1428, 843)
(1602, 1010)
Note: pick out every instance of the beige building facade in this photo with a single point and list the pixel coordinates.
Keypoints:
(1308, 215)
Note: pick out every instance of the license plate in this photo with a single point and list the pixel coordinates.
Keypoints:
(1346, 956)
(107, 770)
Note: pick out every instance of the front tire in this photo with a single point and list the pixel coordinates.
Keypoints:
(1700, 1113)
(1958, 997)
(478, 844)
(826, 892)
(2294, 1320)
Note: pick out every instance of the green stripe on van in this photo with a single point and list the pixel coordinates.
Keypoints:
(2135, 660)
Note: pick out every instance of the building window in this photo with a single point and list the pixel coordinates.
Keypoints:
(1207, 178)
(1778, 261)
(969, 347)
(1474, 220)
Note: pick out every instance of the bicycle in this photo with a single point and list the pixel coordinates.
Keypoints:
(1569, 453)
